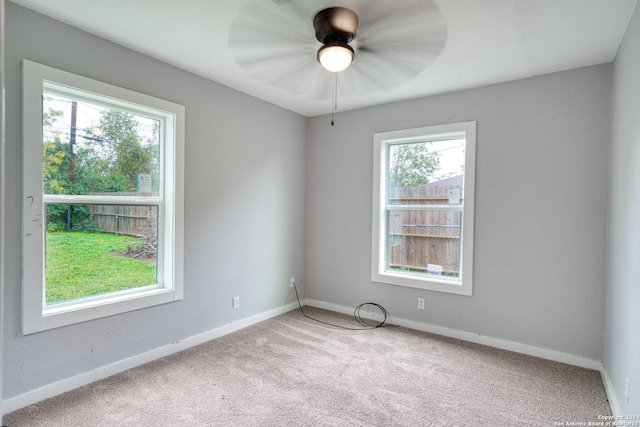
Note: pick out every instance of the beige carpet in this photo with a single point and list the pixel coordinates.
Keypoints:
(291, 371)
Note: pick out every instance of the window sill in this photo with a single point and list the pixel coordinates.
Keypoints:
(67, 314)
(450, 286)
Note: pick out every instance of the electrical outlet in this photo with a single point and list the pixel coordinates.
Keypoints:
(421, 303)
(292, 282)
(236, 302)
(626, 390)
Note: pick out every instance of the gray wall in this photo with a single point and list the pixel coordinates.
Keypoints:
(541, 210)
(622, 320)
(244, 206)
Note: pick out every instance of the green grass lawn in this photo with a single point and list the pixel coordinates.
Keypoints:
(80, 264)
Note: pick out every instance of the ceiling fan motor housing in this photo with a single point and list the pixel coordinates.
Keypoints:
(335, 24)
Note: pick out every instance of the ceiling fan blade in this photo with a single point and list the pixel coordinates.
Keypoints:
(276, 46)
(412, 57)
(398, 43)
(296, 75)
(256, 27)
(373, 73)
(402, 15)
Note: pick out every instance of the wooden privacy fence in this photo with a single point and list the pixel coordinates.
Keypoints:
(122, 219)
(425, 240)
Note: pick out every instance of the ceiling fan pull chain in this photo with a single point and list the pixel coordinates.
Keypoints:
(335, 91)
(334, 101)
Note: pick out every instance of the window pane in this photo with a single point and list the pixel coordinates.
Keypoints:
(93, 250)
(426, 173)
(91, 149)
(424, 243)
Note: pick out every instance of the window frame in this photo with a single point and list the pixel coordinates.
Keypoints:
(37, 315)
(379, 272)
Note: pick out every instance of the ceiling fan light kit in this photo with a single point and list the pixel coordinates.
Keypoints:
(335, 56)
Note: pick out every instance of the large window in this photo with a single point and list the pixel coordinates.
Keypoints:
(423, 198)
(103, 199)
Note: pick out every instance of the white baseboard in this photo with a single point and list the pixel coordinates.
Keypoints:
(611, 394)
(68, 384)
(517, 347)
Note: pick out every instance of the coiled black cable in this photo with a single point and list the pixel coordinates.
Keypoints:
(356, 314)
(363, 322)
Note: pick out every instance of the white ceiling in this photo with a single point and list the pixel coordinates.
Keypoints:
(487, 41)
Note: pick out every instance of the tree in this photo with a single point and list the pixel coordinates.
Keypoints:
(412, 164)
(54, 163)
(119, 154)
(54, 155)
(55, 167)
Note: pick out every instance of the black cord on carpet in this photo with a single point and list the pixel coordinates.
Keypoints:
(356, 314)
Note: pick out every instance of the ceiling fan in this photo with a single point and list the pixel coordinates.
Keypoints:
(299, 45)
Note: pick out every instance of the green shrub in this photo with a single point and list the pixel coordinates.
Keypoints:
(56, 227)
